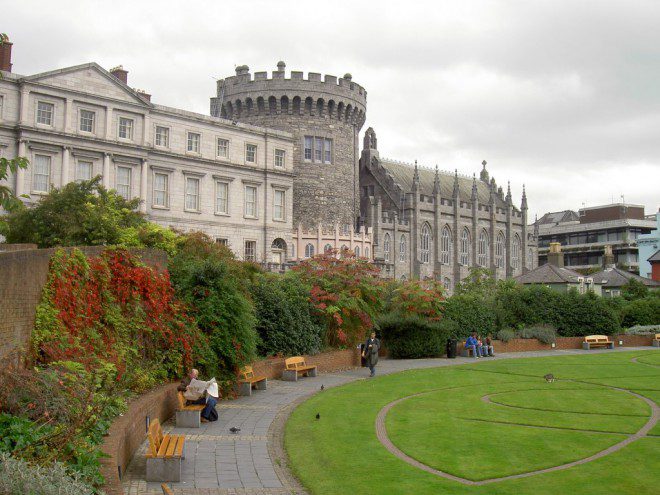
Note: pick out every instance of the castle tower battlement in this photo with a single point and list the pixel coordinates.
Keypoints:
(325, 115)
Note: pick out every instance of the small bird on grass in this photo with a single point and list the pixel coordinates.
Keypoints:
(549, 377)
(322, 387)
(234, 430)
(318, 415)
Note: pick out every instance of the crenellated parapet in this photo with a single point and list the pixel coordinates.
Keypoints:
(325, 97)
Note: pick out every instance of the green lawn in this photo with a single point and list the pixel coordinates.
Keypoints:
(527, 425)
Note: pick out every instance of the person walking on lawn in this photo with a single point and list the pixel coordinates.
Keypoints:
(370, 353)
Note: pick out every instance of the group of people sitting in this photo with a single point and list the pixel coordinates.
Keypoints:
(480, 348)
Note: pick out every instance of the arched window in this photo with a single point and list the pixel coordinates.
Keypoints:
(402, 248)
(309, 250)
(344, 250)
(272, 105)
(465, 248)
(446, 283)
(278, 249)
(366, 252)
(386, 247)
(445, 246)
(515, 252)
(357, 251)
(499, 251)
(482, 253)
(284, 104)
(327, 248)
(426, 243)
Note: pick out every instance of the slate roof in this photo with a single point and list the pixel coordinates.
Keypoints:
(402, 173)
(549, 274)
(655, 257)
(559, 217)
(615, 277)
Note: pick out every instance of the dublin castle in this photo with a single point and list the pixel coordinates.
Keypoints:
(275, 171)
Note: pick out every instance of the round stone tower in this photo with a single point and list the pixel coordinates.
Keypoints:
(325, 116)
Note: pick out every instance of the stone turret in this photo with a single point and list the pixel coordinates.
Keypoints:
(455, 193)
(325, 115)
(436, 183)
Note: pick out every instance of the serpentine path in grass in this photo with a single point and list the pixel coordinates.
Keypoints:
(381, 433)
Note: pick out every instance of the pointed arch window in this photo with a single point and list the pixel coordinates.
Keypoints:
(483, 247)
(465, 248)
(445, 246)
(402, 248)
(426, 243)
(499, 251)
(327, 248)
(309, 250)
(357, 251)
(386, 247)
(515, 253)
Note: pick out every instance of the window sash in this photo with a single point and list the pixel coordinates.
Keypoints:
(192, 194)
(250, 201)
(402, 249)
(250, 153)
(386, 247)
(161, 193)
(279, 158)
(162, 136)
(83, 171)
(250, 250)
(124, 182)
(327, 152)
(193, 142)
(45, 113)
(222, 149)
(87, 118)
(278, 205)
(222, 197)
(318, 149)
(309, 250)
(308, 147)
(125, 128)
(41, 173)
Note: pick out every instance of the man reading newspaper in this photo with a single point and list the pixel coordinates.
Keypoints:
(200, 392)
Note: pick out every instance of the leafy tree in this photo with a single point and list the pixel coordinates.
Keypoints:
(8, 201)
(634, 289)
(78, 214)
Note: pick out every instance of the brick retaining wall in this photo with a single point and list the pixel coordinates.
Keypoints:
(344, 359)
(524, 345)
(129, 431)
(23, 273)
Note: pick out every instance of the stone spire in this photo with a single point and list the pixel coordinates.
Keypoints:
(456, 189)
(523, 205)
(484, 173)
(415, 184)
(474, 188)
(508, 193)
(436, 182)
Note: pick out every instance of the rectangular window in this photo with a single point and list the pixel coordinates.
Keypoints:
(250, 250)
(161, 191)
(308, 147)
(192, 193)
(327, 151)
(222, 148)
(222, 241)
(41, 173)
(279, 158)
(318, 149)
(162, 136)
(125, 128)
(279, 201)
(83, 171)
(87, 118)
(251, 153)
(250, 201)
(193, 142)
(222, 197)
(45, 113)
(124, 182)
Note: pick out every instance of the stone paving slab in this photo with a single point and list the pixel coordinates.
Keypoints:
(253, 461)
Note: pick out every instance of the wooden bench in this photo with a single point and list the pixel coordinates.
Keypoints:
(164, 454)
(166, 489)
(296, 366)
(591, 341)
(248, 381)
(188, 416)
(466, 352)
(656, 341)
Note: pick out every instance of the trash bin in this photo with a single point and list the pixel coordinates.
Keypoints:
(451, 348)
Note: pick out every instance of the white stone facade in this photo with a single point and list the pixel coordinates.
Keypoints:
(232, 181)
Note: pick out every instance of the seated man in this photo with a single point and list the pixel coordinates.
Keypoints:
(209, 397)
(488, 348)
(472, 343)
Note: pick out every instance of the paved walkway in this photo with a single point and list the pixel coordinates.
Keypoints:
(253, 462)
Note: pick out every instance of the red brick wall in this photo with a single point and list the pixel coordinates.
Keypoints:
(524, 345)
(345, 359)
(129, 431)
(23, 274)
(16, 247)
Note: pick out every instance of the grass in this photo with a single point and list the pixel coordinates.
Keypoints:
(450, 427)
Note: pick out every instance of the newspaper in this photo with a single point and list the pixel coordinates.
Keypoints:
(196, 389)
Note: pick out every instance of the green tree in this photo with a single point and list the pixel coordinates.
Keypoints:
(78, 214)
(8, 201)
(634, 289)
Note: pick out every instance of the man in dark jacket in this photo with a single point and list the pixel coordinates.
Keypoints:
(370, 353)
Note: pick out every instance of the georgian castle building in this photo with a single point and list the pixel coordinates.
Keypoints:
(275, 172)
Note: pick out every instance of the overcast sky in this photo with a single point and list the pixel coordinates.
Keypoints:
(562, 96)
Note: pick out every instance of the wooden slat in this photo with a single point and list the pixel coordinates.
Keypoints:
(164, 445)
(153, 446)
(166, 489)
(178, 451)
(171, 446)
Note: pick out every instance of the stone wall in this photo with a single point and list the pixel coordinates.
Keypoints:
(129, 431)
(345, 359)
(23, 274)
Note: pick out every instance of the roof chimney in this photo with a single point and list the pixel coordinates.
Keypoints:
(555, 256)
(143, 94)
(120, 73)
(608, 257)
(5, 54)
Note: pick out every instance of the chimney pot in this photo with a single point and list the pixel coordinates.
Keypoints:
(5, 55)
(120, 73)
(555, 256)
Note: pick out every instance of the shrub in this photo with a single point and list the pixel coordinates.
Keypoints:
(471, 314)
(584, 314)
(641, 312)
(410, 336)
(643, 330)
(505, 335)
(543, 333)
(284, 317)
(422, 298)
(18, 477)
